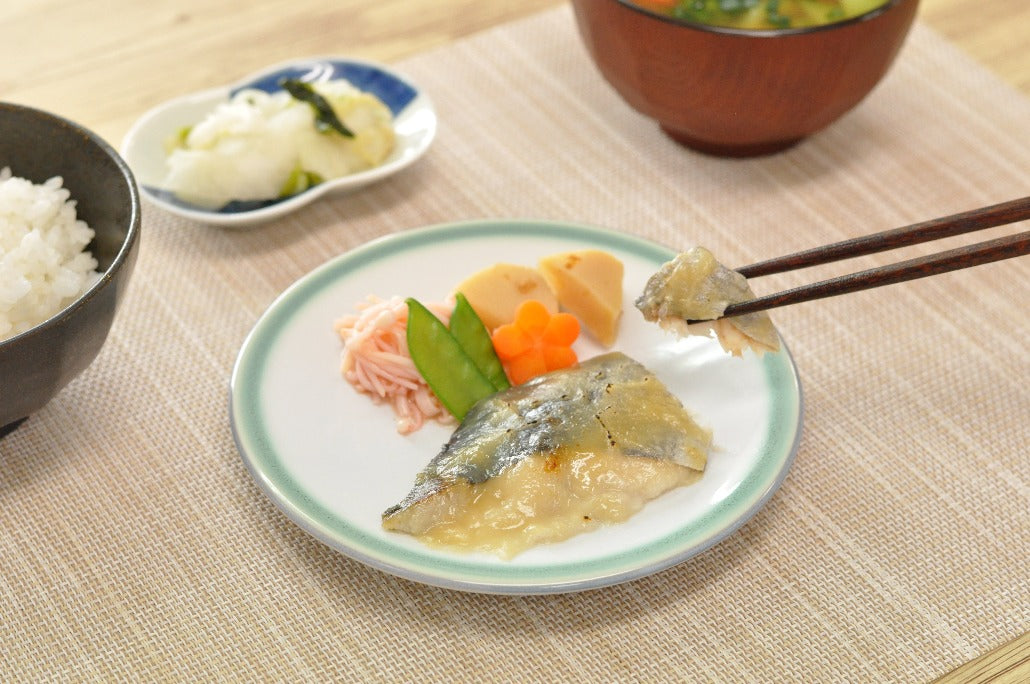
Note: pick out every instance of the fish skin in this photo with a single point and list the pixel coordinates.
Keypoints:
(580, 408)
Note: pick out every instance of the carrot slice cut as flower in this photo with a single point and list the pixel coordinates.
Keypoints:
(536, 342)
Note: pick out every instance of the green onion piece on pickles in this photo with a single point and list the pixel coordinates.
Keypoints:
(325, 116)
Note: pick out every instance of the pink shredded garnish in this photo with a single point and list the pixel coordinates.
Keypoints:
(376, 361)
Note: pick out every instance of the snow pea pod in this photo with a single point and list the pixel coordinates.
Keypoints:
(468, 329)
(447, 369)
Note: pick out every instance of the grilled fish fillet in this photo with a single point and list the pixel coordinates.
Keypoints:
(554, 457)
(695, 287)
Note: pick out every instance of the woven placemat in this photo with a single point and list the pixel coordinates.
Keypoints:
(134, 545)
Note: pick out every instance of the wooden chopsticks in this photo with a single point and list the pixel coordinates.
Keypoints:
(920, 267)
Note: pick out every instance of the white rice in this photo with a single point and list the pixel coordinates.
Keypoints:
(43, 263)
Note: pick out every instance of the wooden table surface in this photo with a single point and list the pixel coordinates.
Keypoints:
(108, 61)
(105, 62)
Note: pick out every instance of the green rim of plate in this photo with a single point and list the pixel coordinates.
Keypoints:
(430, 566)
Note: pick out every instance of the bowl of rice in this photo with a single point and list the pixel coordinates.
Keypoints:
(69, 229)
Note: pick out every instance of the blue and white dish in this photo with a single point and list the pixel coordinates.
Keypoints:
(414, 122)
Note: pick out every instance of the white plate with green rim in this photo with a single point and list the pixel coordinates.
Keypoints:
(333, 461)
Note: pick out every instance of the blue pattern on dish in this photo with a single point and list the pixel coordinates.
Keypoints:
(233, 207)
(396, 94)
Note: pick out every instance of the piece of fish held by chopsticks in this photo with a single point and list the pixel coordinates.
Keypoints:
(553, 457)
(696, 287)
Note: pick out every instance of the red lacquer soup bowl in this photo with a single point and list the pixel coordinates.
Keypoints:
(740, 92)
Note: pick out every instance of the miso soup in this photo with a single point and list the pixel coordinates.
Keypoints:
(762, 14)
